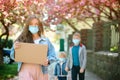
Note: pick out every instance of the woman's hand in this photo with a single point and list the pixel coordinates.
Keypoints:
(81, 70)
(16, 45)
(46, 63)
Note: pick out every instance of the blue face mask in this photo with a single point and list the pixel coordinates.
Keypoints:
(76, 41)
(33, 29)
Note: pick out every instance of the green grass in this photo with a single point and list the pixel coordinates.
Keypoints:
(8, 71)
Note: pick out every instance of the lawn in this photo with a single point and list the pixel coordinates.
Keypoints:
(8, 71)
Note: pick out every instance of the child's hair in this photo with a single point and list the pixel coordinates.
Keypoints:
(26, 35)
(77, 34)
(62, 55)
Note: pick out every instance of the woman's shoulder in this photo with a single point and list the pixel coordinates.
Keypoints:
(44, 38)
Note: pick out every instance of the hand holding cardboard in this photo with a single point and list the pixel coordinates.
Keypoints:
(31, 53)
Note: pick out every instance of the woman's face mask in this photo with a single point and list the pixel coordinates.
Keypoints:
(33, 29)
(76, 41)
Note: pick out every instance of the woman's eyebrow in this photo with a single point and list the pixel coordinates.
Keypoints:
(37, 23)
(34, 23)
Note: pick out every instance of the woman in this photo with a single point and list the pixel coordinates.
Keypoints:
(33, 32)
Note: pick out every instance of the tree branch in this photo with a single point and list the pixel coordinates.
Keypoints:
(5, 33)
(71, 25)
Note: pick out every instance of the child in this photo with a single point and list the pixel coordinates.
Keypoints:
(60, 67)
(77, 58)
(33, 32)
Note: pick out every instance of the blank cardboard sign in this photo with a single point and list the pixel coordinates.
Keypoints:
(31, 53)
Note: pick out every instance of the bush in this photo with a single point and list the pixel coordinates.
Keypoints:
(114, 49)
(9, 43)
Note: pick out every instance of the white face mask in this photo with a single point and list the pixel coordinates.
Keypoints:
(62, 59)
(33, 29)
(76, 41)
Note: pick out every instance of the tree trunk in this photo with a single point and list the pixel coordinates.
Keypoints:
(2, 45)
(1, 56)
(119, 40)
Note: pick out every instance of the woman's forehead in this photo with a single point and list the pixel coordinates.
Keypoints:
(34, 21)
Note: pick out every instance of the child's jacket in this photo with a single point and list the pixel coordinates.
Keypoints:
(60, 69)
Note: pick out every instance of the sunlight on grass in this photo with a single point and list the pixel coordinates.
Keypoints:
(8, 71)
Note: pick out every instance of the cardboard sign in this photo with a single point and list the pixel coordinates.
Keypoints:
(31, 53)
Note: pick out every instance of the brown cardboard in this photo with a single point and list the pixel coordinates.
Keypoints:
(31, 53)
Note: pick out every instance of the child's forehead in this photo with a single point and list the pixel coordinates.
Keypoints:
(62, 55)
(76, 36)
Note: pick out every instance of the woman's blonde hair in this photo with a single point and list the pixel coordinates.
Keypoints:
(26, 35)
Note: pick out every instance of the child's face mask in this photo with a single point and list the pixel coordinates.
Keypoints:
(62, 59)
(76, 41)
(33, 29)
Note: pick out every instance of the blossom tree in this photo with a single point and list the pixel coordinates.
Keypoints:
(56, 11)
(6, 18)
(15, 12)
(82, 10)
(96, 10)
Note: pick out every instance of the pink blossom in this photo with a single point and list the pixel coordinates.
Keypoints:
(96, 1)
(97, 12)
(5, 13)
(102, 1)
(92, 2)
(82, 3)
(19, 0)
(68, 1)
(50, 12)
(108, 3)
(56, 7)
(112, 1)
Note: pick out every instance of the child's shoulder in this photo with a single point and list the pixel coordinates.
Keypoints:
(81, 45)
(57, 63)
